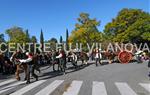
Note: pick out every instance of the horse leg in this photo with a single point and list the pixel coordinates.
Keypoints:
(32, 72)
(100, 61)
(82, 61)
(53, 65)
(17, 72)
(37, 68)
(110, 61)
(25, 71)
(96, 62)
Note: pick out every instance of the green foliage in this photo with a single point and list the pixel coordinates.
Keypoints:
(2, 38)
(52, 42)
(85, 30)
(16, 35)
(67, 37)
(41, 37)
(139, 31)
(61, 39)
(27, 36)
(130, 25)
(146, 36)
(33, 39)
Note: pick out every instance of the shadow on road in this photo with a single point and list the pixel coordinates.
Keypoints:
(53, 74)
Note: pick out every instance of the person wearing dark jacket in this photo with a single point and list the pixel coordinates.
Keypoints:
(62, 60)
(146, 55)
(31, 66)
(14, 58)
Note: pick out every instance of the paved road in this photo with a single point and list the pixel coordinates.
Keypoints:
(112, 79)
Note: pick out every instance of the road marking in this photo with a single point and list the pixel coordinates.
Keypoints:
(125, 89)
(74, 88)
(50, 88)
(27, 88)
(99, 88)
(146, 86)
(6, 88)
(7, 81)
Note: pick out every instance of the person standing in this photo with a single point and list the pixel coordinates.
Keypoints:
(54, 60)
(31, 66)
(147, 57)
(98, 57)
(62, 60)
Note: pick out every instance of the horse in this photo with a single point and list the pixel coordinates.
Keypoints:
(109, 55)
(84, 57)
(15, 59)
(1, 63)
(72, 57)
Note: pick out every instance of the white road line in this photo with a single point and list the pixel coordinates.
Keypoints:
(125, 89)
(6, 88)
(7, 81)
(99, 88)
(74, 88)
(27, 88)
(50, 88)
(146, 86)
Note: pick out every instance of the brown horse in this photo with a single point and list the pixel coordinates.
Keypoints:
(110, 55)
(84, 57)
(15, 57)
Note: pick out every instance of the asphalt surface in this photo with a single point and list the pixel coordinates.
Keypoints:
(107, 79)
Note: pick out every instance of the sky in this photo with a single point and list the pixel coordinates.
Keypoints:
(55, 16)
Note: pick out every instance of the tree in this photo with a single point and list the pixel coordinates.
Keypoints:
(2, 38)
(139, 31)
(16, 35)
(33, 39)
(61, 39)
(27, 36)
(52, 42)
(67, 36)
(42, 39)
(86, 30)
(130, 25)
